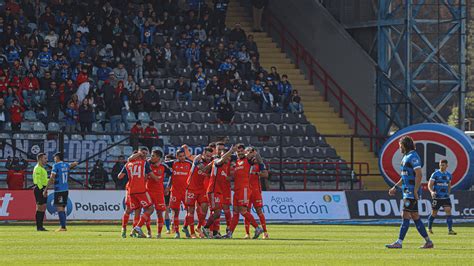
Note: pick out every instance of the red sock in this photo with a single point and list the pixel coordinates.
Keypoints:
(125, 218)
(176, 222)
(235, 221)
(248, 216)
(136, 218)
(190, 222)
(261, 216)
(217, 224)
(145, 217)
(247, 226)
(159, 223)
(228, 217)
(148, 225)
(201, 217)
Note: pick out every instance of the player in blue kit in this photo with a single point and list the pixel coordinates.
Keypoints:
(59, 177)
(411, 188)
(440, 188)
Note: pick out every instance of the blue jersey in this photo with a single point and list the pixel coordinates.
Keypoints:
(441, 183)
(61, 170)
(410, 162)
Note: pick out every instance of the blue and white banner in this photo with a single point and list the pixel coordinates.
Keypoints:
(281, 206)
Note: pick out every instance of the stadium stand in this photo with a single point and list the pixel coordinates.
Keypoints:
(119, 62)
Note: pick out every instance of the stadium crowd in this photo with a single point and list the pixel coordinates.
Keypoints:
(69, 60)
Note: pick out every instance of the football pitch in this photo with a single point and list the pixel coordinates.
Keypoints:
(288, 245)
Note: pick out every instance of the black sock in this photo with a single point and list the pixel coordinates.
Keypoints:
(39, 219)
(214, 232)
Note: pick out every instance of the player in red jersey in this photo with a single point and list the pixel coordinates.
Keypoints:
(226, 193)
(220, 175)
(155, 187)
(242, 167)
(257, 171)
(196, 190)
(180, 167)
(137, 170)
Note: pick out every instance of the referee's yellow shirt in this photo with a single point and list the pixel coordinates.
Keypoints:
(40, 176)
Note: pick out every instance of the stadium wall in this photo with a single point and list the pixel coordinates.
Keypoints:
(279, 207)
(332, 46)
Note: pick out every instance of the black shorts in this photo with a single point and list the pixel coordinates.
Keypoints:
(40, 199)
(438, 203)
(410, 205)
(60, 198)
(167, 200)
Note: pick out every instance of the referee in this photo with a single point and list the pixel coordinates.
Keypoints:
(40, 179)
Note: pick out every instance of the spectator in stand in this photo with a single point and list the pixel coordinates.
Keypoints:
(220, 11)
(138, 57)
(98, 177)
(151, 137)
(268, 102)
(137, 100)
(252, 46)
(16, 115)
(296, 107)
(182, 90)
(147, 31)
(3, 114)
(53, 102)
(170, 59)
(129, 84)
(86, 116)
(71, 117)
(150, 67)
(214, 92)
(83, 90)
(16, 178)
(237, 34)
(225, 112)
(106, 54)
(285, 88)
(75, 50)
(192, 54)
(92, 51)
(244, 62)
(274, 74)
(30, 90)
(29, 60)
(115, 113)
(116, 169)
(82, 77)
(52, 38)
(152, 100)
(120, 72)
(136, 135)
(198, 80)
(258, 6)
(257, 90)
(44, 60)
(238, 87)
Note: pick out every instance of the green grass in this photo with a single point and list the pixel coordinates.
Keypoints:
(288, 245)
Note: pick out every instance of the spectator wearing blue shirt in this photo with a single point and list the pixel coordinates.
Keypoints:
(103, 73)
(225, 66)
(192, 54)
(147, 31)
(44, 60)
(285, 88)
(12, 52)
(75, 50)
(257, 90)
(59, 177)
(71, 115)
(220, 11)
(243, 58)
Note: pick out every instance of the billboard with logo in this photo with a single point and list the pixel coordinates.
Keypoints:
(284, 206)
(17, 205)
(434, 142)
(379, 205)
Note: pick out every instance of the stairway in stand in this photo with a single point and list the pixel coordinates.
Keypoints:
(318, 111)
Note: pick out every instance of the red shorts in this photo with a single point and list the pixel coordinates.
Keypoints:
(176, 199)
(241, 197)
(255, 199)
(158, 199)
(140, 200)
(192, 197)
(227, 197)
(215, 200)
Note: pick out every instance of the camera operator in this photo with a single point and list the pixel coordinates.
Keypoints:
(98, 176)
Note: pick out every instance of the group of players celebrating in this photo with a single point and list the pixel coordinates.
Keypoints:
(201, 183)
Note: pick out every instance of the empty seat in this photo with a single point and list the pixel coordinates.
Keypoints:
(197, 117)
(184, 117)
(52, 126)
(210, 117)
(291, 152)
(96, 127)
(26, 126)
(29, 116)
(202, 106)
(259, 130)
(144, 117)
(272, 130)
(100, 116)
(38, 126)
(157, 117)
(175, 106)
(310, 130)
(127, 150)
(166, 128)
(249, 118)
(131, 117)
(289, 118)
(189, 107)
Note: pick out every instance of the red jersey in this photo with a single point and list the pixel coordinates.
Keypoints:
(255, 178)
(156, 186)
(15, 179)
(242, 173)
(136, 172)
(151, 133)
(180, 175)
(196, 179)
(218, 181)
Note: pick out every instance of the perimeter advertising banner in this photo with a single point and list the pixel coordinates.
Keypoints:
(379, 205)
(283, 206)
(17, 205)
